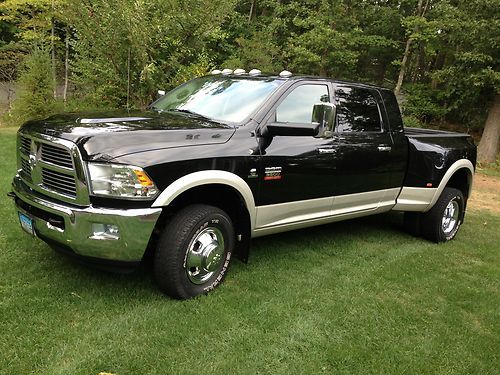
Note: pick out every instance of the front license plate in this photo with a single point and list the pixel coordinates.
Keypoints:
(26, 223)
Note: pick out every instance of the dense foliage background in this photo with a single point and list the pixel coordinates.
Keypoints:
(440, 56)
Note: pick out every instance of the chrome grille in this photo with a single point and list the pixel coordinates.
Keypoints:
(52, 167)
(25, 145)
(25, 167)
(59, 182)
(56, 155)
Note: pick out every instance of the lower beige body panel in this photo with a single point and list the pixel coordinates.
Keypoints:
(414, 199)
(283, 217)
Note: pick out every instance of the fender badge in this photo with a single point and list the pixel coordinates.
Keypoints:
(272, 173)
(253, 173)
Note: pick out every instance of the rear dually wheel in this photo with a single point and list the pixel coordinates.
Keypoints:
(442, 222)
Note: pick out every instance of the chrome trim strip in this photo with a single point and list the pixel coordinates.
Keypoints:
(204, 178)
(371, 200)
(325, 220)
(290, 212)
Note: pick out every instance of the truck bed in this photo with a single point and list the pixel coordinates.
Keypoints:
(432, 152)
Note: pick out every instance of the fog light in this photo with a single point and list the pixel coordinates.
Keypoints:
(105, 232)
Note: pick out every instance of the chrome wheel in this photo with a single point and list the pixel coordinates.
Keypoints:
(450, 217)
(205, 255)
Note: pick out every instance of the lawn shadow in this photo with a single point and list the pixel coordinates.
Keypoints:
(90, 279)
(98, 280)
(383, 225)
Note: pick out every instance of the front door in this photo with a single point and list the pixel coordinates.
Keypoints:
(296, 172)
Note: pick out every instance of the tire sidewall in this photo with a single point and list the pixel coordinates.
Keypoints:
(459, 199)
(222, 223)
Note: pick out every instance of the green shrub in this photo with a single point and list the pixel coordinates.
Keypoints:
(35, 96)
(412, 122)
(422, 103)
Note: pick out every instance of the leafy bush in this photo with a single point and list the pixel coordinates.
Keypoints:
(35, 97)
(422, 103)
(412, 122)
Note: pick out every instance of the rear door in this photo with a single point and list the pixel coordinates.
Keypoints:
(366, 158)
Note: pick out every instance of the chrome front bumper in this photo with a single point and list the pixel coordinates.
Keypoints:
(74, 226)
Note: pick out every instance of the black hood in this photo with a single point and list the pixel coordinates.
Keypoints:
(107, 135)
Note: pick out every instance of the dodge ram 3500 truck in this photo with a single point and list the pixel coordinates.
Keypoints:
(228, 157)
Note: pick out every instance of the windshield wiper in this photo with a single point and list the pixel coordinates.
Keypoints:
(189, 112)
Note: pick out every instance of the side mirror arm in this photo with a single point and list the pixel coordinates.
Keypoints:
(291, 129)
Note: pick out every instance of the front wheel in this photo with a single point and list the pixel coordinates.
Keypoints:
(442, 222)
(194, 251)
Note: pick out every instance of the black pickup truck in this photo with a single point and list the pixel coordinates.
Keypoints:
(227, 157)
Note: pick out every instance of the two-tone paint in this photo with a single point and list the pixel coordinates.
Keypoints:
(315, 180)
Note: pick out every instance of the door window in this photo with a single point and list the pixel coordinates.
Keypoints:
(298, 105)
(357, 110)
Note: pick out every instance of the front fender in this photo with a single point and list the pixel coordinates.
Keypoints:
(200, 178)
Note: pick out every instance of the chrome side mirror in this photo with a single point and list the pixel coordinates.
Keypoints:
(323, 116)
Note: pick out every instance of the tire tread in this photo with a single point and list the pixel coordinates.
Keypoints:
(170, 248)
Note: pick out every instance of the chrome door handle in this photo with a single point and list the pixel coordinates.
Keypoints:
(327, 150)
(384, 148)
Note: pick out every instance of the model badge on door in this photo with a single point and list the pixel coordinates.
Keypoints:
(272, 173)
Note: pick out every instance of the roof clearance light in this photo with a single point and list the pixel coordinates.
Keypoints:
(285, 74)
(216, 71)
(239, 72)
(227, 71)
(254, 72)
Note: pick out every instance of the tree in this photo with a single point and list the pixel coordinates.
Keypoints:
(470, 78)
(414, 25)
(126, 50)
(488, 147)
(35, 97)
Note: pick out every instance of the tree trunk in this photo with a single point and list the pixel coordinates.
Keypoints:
(381, 73)
(66, 66)
(53, 48)
(250, 14)
(488, 146)
(437, 65)
(402, 70)
(128, 78)
(420, 12)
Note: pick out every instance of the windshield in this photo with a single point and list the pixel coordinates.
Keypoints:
(219, 98)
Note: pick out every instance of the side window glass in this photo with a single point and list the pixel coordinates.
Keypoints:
(357, 110)
(298, 105)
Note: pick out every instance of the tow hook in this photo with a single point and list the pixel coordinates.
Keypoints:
(11, 194)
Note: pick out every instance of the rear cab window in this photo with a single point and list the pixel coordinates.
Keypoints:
(357, 110)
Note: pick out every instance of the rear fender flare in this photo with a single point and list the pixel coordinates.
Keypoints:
(459, 164)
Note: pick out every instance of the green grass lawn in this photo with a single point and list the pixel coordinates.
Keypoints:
(353, 297)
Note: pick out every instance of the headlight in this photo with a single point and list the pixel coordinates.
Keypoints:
(120, 181)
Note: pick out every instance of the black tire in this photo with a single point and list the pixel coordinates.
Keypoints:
(434, 226)
(198, 234)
